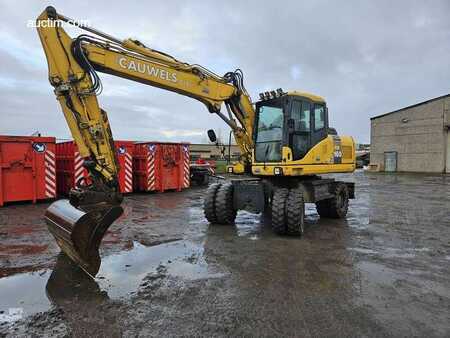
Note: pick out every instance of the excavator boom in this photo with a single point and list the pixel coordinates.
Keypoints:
(79, 224)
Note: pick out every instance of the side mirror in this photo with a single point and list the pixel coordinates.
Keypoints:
(212, 136)
(332, 131)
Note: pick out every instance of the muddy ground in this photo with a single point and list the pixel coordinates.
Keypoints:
(384, 271)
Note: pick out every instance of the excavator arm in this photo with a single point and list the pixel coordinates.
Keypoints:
(80, 223)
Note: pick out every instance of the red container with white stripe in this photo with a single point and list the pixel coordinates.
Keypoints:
(69, 167)
(161, 166)
(125, 150)
(70, 170)
(27, 168)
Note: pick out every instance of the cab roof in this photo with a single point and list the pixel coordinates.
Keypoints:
(312, 97)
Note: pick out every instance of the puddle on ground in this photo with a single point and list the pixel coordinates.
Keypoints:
(122, 273)
(22, 295)
(364, 251)
(391, 252)
(249, 224)
(120, 276)
(252, 225)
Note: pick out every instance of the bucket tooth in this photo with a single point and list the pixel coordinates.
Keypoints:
(79, 232)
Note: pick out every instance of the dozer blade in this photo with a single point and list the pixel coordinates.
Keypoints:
(80, 232)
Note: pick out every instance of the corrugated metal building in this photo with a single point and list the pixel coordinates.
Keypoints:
(412, 139)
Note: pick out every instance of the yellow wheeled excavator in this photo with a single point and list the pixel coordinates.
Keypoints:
(284, 138)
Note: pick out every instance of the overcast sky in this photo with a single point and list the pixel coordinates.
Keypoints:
(366, 58)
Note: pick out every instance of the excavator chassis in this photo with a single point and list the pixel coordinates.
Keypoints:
(79, 232)
(283, 198)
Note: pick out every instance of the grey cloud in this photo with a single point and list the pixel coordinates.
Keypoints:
(365, 58)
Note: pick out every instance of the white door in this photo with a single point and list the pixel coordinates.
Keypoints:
(447, 161)
(390, 161)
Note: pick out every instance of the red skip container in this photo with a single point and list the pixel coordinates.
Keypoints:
(161, 166)
(69, 166)
(125, 151)
(27, 168)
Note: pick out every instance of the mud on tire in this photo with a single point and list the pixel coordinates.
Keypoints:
(337, 206)
(209, 203)
(295, 212)
(225, 212)
(279, 211)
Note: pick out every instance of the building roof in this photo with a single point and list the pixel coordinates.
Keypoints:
(412, 106)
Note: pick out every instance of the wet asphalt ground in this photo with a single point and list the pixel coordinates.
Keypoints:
(382, 272)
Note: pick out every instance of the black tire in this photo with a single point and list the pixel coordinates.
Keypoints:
(337, 206)
(200, 180)
(268, 196)
(323, 208)
(295, 213)
(209, 203)
(225, 212)
(339, 203)
(205, 180)
(279, 210)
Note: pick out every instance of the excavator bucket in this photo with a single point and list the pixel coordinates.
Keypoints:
(80, 232)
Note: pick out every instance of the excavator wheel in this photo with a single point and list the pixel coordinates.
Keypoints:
(279, 200)
(80, 232)
(225, 212)
(323, 208)
(209, 204)
(295, 212)
(337, 206)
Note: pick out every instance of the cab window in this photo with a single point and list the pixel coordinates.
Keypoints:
(299, 140)
(270, 124)
(269, 134)
(300, 113)
(319, 117)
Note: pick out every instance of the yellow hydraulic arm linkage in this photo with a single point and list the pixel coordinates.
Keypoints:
(80, 223)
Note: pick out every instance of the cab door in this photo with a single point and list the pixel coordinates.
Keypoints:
(319, 125)
(300, 128)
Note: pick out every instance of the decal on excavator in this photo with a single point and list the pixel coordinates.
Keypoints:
(145, 68)
(337, 153)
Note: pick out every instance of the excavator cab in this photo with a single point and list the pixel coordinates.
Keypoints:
(295, 120)
(292, 137)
